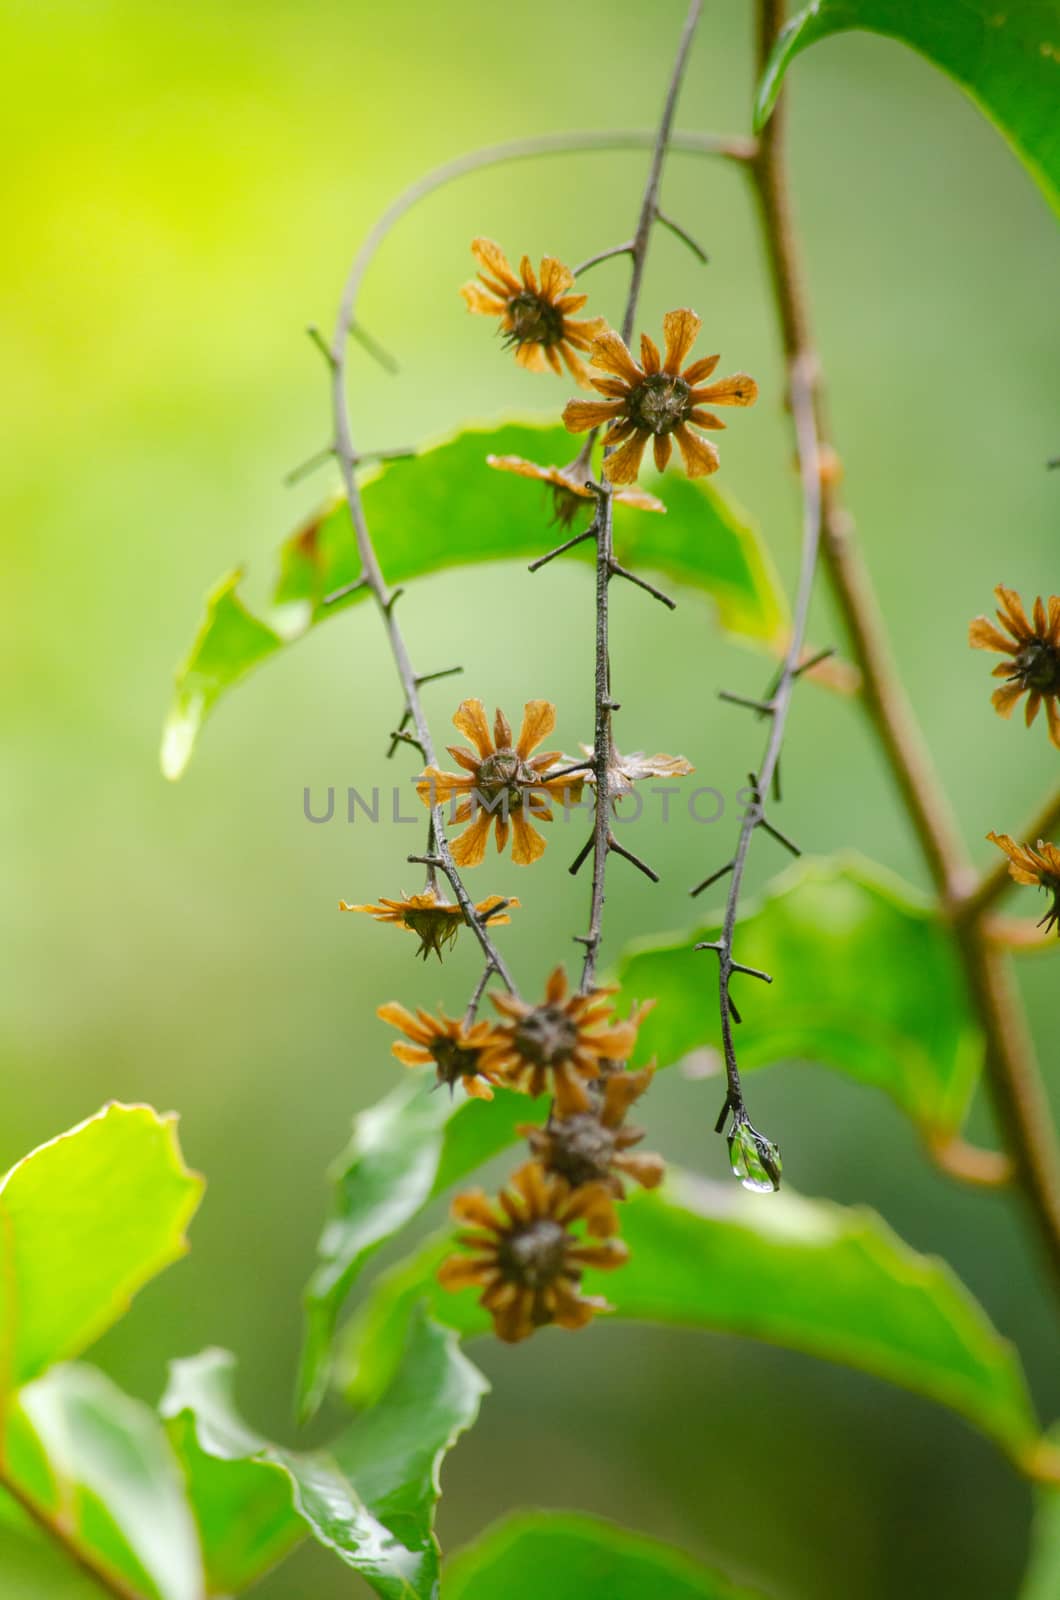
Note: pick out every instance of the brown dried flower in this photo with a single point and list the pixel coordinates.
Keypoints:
(656, 400)
(456, 1051)
(594, 1146)
(502, 782)
(436, 921)
(560, 1043)
(525, 1257)
(1034, 649)
(570, 493)
(1040, 866)
(536, 318)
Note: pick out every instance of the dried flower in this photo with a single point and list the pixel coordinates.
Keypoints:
(1040, 866)
(1034, 668)
(593, 1146)
(656, 400)
(525, 1258)
(625, 771)
(537, 319)
(570, 493)
(502, 782)
(436, 921)
(456, 1051)
(561, 1042)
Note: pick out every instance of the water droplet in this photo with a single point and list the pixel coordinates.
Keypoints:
(755, 1159)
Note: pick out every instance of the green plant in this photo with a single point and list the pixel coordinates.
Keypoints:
(189, 1501)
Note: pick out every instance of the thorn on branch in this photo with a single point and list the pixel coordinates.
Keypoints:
(373, 348)
(813, 661)
(752, 972)
(682, 234)
(568, 544)
(616, 570)
(642, 866)
(347, 588)
(764, 708)
(482, 917)
(321, 343)
(604, 255)
(781, 838)
(731, 1003)
(582, 856)
(399, 736)
(426, 861)
(721, 872)
(392, 599)
(310, 464)
(432, 677)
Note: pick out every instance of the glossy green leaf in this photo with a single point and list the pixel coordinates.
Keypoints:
(446, 508)
(569, 1557)
(99, 1465)
(369, 1497)
(85, 1221)
(864, 981)
(404, 1151)
(809, 1275)
(820, 929)
(1006, 56)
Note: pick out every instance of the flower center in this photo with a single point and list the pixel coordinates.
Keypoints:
(661, 403)
(581, 1149)
(504, 771)
(1037, 667)
(534, 1254)
(533, 320)
(453, 1060)
(546, 1035)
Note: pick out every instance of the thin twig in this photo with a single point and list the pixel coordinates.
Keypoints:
(604, 523)
(372, 576)
(52, 1527)
(801, 391)
(730, 147)
(1010, 1060)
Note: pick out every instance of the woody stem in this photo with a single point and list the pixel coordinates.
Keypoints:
(439, 854)
(604, 523)
(1010, 1060)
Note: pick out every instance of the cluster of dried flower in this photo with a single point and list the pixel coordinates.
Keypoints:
(1033, 669)
(526, 1252)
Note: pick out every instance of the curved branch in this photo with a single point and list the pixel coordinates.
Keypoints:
(1011, 1066)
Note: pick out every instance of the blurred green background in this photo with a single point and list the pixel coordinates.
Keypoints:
(184, 187)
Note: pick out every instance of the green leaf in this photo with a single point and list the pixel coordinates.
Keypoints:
(85, 1221)
(446, 508)
(809, 1275)
(1007, 58)
(229, 643)
(569, 1557)
(820, 928)
(369, 1497)
(404, 1151)
(865, 982)
(98, 1464)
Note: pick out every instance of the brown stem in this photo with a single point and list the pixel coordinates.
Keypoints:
(604, 526)
(94, 1567)
(1010, 1059)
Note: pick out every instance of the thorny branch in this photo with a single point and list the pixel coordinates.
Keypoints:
(606, 565)
(438, 857)
(1011, 1066)
(801, 376)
